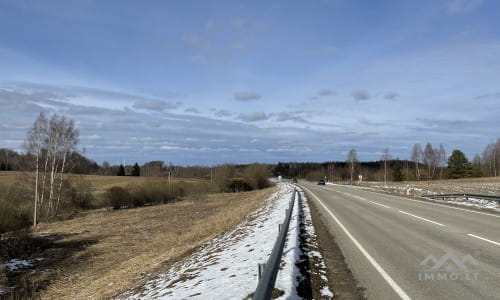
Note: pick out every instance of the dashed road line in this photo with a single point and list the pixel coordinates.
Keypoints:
(421, 218)
(372, 261)
(484, 239)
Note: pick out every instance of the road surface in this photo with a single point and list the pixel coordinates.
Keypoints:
(387, 239)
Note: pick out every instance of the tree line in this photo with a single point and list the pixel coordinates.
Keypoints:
(423, 163)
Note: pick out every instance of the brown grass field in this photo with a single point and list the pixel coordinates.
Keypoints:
(104, 253)
(98, 182)
(483, 185)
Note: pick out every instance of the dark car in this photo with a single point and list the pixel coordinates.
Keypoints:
(294, 180)
(321, 182)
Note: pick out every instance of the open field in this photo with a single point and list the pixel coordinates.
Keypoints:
(484, 185)
(98, 182)
(104, 253)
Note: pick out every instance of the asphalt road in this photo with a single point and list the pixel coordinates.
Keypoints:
(386, 239)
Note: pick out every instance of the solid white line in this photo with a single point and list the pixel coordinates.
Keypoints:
(419, 201)
(406, 213)
(484, 239)
(379, 204)
(374, 263)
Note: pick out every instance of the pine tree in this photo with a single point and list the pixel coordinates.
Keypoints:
(458, 165)
(136, 171)
(397, 175)
(121, 171)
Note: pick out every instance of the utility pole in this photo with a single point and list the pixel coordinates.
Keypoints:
(169, 174)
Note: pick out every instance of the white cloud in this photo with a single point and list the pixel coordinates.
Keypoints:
(154, 105)
(246, 96)
(254, 117)
(462, 6)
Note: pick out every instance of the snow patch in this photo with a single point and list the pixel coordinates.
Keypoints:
(226, 268)
(325, 292)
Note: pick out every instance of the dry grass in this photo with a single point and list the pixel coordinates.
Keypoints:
(99, 182)
(9, 178)
(484, 185)
(103, 254)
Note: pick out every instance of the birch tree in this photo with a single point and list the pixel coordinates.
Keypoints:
(34, 144)
(385, 157)
(51, 142)
(431, 159)
(441, 160)
(352, 158)
(416, 156)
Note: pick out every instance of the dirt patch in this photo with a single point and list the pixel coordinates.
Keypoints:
(340, 278)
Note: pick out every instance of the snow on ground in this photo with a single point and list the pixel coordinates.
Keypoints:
(472, 202)
(17, 264)
(311, 249)
(226, 268)
(418, 192)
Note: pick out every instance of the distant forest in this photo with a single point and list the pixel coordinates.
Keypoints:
(427, 164)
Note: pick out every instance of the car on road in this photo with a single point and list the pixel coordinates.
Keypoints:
(294, 180)
(321, 182)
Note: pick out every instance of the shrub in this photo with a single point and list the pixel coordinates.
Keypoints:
(80, 194)
(239, 185)
(118, 197)
(16, 208)
(257, 176)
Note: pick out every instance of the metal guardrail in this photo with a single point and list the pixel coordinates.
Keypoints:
(466, 196)
(269, 271)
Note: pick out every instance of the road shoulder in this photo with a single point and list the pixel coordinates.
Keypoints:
(340, 278)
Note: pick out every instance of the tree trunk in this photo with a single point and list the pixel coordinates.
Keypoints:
(37, 175)
(44, 178)
(51, 187)
(385, 172)
(61, 178)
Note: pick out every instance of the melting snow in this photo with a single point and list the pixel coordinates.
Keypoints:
(226, 268)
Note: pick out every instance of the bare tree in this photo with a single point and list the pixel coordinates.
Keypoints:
(416, 156)
(69, 140)
(441, 160)
(352, 158)
(51, 141)
(431, 160)
(385, 157)
(34, 145)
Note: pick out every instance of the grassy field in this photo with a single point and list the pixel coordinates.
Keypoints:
(484, 185)
(99, 183)
(104, 253)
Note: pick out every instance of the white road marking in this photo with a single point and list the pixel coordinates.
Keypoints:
(374, 263)
(363, 199)
(379, 204)
(484, 239)
(407, 213)
(420, 201)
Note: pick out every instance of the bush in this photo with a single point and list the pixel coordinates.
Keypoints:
(16, 208)
(239, 185)
(257, 176)
(118, 197)
(80, 194)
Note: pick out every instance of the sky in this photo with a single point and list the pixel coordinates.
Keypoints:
(208, 82)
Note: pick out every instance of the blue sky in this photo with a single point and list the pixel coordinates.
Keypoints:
(204, 82)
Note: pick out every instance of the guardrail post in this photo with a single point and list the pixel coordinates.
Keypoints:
(268, 272)
(261, 269)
